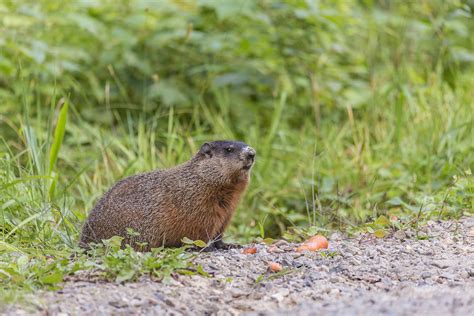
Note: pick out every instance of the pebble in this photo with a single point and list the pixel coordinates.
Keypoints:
(470, 234)
(275, 249)
(236, 293)
(280, 295)
(280, 243)
(442, 264)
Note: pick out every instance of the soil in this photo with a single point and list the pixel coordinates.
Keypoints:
(430, 271)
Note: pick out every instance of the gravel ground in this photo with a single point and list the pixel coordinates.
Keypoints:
(396, 275)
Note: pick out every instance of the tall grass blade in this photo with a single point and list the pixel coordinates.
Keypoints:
(58, 137)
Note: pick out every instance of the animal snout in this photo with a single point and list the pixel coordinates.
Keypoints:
(250, 153)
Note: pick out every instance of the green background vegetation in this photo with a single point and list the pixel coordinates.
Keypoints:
(357, 109)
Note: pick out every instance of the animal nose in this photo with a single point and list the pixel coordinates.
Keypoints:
(251, 153)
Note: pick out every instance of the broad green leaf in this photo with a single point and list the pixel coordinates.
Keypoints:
(125, 275)
(187, 241)
(52, 278)
(268, 241)
(201, 271)
(200, 244)
(114, 242)
(382, 221)
(379, 233)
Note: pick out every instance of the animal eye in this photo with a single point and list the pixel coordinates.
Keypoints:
(229, 149)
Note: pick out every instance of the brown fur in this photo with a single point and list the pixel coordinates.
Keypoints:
(196, 200)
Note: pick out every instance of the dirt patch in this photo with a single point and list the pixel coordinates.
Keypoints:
(397, 275)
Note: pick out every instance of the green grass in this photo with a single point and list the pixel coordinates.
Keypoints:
(358, 110)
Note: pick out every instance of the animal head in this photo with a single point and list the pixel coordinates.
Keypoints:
(227, 162)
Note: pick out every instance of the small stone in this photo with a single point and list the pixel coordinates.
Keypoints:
(448, 276)
(400, 234)
(275, 249)
(351, 249)
(297, 264)
(317, 276)
(370, 253)
(382, 285)
(387, 281)
(471, 233)
(422, 235)
(442, 264)
(236, 293)
(426, 252)
(334, 292)
(426, 275)
(118, 304)
(279, 296)
(335, 236)
(137, 302)
(448, 241)
(169, 302)
(297, 255)
(281, 242)
(165, 299)
(307, 281)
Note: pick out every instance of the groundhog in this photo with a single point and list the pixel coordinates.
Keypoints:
(196, 200)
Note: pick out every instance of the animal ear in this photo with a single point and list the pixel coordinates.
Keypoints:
(206, 150)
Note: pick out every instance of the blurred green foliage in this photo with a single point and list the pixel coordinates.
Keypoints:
(356, 108)
(146, 54)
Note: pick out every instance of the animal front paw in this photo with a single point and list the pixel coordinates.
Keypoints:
(219, 244)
